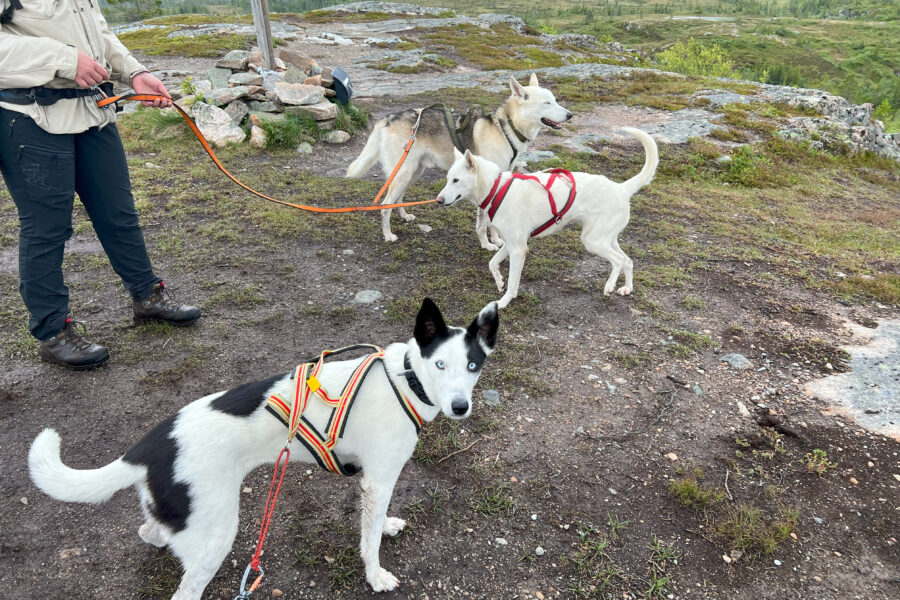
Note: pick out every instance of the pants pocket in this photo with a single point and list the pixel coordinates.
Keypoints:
(47, 170)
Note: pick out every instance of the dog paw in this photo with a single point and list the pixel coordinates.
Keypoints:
(504, 302)
(624, 290)
(608, 288)
(393, 526)
(390, 237)
(491, 247)
(500, 286)
(408, 217)
(383, 580)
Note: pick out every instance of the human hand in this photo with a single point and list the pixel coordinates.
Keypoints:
(89, 72)
(146, 83)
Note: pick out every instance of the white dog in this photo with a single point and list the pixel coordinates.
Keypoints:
(189, 469)
(500, 137)
(602, 207)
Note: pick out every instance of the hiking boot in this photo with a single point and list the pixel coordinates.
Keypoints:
(69, 349)
(161, 306)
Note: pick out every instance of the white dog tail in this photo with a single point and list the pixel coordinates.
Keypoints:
(370, 154)
(71, 485)
(650, 162)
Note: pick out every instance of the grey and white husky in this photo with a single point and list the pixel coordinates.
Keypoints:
(500, 138)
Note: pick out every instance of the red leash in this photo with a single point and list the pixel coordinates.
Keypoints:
(274, 489)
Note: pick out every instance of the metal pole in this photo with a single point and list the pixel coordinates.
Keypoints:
(260, 10)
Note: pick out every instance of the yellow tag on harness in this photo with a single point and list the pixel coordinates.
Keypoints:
(313, 384)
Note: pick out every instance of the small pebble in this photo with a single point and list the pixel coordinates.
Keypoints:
(539, 551)
(312, 584)
(672, 456)
(777, 562)
(871, 464)
(793, 536)
(247, 490)
(534, 517)
(817, 578)
(838, 554)
(854, 481)
(276, 593)
(501, 541)
(726, 558)
(23, 500)
(539, 596)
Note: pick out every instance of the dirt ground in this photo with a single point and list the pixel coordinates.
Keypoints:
(565, 489)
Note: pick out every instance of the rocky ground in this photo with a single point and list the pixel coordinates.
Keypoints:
(679, 443)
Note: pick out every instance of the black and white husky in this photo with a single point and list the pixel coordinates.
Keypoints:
(189, 469)
(500, 138)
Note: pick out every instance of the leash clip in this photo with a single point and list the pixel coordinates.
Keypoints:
(245, 593)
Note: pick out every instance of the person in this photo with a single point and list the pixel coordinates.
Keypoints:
(57, 57)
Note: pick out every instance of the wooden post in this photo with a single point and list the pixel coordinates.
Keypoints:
(260, 10)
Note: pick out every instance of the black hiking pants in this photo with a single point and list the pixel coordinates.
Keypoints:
(42, 172)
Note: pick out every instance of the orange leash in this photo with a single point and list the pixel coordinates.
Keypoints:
(406, 149)
(318, 209)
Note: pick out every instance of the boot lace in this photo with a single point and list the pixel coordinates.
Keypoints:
(164, 296)
(74, 334)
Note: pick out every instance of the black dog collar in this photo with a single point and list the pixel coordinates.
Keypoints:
(413, 382)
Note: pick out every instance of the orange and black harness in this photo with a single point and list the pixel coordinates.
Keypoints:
(498, 192)
(306, 384)
(290, 412)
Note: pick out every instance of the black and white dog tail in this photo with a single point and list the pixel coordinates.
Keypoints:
(650, 162)
(72, 485)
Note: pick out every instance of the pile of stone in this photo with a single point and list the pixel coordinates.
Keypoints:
(239, 91)
(843, 124)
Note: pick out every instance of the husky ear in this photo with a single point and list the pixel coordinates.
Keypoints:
(456, 154)
(533, 82)
(484, 327)
(429, 324)
(516, 88)
(470, 161)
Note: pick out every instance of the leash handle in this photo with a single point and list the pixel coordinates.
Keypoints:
(203, 141)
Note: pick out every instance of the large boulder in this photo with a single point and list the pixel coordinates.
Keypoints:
(216, 125)
(237, 110)
(223, 96)
(245, 78)
(298, 94)
(301, 61)
(236, 60)
(321, 111)
(218, 77)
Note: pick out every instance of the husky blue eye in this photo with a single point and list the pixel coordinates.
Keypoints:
(473, 366)
(440, 365)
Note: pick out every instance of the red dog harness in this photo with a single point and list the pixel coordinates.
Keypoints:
(496, 196)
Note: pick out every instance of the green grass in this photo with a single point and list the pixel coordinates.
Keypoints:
(750, 530)
(689, 490)
(154, 42)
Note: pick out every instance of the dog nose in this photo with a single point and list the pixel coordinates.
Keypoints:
(460, 406)
(440, 199)
(569, 116)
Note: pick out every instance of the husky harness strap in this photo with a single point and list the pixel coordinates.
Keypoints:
(492, 202)
(306, 384)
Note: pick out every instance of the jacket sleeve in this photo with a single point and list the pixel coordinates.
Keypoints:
(32, 61)
(123, 66)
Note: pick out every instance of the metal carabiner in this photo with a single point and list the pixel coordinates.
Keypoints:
(244, 594)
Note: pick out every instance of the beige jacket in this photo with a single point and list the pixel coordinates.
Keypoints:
(39, 48)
